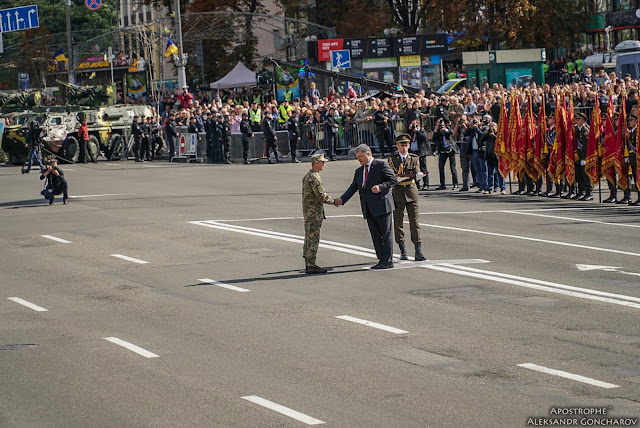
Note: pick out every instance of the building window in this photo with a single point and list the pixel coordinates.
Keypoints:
(623, 4)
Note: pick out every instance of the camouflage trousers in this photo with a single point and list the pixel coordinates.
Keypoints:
(311, 240)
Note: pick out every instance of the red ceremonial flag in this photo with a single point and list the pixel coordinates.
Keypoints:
(621, 144)
(501, 141)
(592, 167)
(556, 159)
(609, 147)
(570, 152)
(540, 143)
(515, 137)
(529, 136)
(637, 159)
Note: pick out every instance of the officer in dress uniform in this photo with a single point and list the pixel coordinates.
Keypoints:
(247, 133)
(582, 138)
(551, 136)
(405, 195)
(313, 198)
(631, 160)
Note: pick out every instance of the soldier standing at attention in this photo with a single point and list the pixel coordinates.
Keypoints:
(293, 128)
(405, 195)
(247, 133)
(136, 131)
(313, 196)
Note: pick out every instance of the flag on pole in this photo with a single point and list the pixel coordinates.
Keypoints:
(592, 168)
(556, 158)
(570, 152)
(528, 140)
(59, 56)
(501, 141)
(621, 146)
(609, 146)
(540, 143)
(515, 128)
(171, 48)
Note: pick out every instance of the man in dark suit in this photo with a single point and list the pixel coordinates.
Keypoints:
(374, 181)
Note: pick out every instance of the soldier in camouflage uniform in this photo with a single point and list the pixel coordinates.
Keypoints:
(313, 196)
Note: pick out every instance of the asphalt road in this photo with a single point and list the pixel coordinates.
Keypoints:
(211, 321)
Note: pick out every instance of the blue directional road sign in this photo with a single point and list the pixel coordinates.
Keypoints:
(19, 18)
(93, 4)
(341, 59)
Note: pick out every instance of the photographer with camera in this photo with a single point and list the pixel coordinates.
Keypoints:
(420, 146)
(33, 139)
(466, 154)
(56, 183)
(488, 141)
(445, 151)
(473, 134)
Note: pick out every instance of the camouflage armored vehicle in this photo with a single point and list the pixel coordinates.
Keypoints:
(16, 108)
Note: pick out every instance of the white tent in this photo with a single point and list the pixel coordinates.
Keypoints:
(239, 77)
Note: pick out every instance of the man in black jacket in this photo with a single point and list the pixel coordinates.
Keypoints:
(171, 132)
(223, 132)
(270, 137)
(445, 151)
(56, 183)
(420, 146)
(293, 128)
(331, 132)
(383, 130)
(374, 181)
(245, 129)
(137, 132)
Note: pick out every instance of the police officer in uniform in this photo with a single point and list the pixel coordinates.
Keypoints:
(136, 131)
(331, 132)
(145, 148)
(582, 138)
(383, 130)
(313, 196)
(405, 195)
(270, 137)
(171, 132)
(293, 128)
(247, 133)
(223, 133)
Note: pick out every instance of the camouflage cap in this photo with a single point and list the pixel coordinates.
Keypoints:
(319, 157)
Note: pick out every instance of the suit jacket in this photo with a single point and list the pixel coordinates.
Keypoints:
(379, 204)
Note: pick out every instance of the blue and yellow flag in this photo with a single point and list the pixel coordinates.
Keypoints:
(171, 48)
(92, 75)
(59, 56)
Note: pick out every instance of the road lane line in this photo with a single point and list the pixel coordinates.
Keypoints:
(526, 238)
(568, 375)
(372, 324)
(553, 284)
(53, 238)
(97, 196)
(535, 284)
(490, 277)
(131, 347)
(411, 264)
(27, 304)
(130, 259)
(583, 220)
(223, 285)
(283, 410)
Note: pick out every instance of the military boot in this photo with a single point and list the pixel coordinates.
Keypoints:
(313, 269)
(626, 199)
(403, 251)
(419, 256)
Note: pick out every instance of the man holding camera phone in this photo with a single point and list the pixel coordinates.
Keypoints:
(56, 183)
(445, 151)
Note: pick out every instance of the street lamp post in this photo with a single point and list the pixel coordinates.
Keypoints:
(181, 61)
(69, 51)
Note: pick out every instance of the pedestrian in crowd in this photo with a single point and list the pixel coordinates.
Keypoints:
(473, 134)
(495, 181)
(313, 198)
(56, 183)
(185, 98)
(293, 130)
(445, 152)
(373, 181)
(466, 152)
(406, 166)
(270, 138)
(247, 133)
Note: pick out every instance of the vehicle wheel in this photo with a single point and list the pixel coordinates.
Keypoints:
(93, 146)
(71, 150)
(113, 141)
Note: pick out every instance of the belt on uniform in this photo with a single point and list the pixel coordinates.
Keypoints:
(406, 183)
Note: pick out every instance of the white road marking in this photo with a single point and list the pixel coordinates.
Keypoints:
(131, 347)
(223, 285)
(372, 324)
(97, 196)
(53, 238)
(567, 290)
(407, 264)
(526, 238)
(529, 283)
(583, 220)
(27, 304)
(583, 268)
(283, 410)
(568, 375)
(130, 259)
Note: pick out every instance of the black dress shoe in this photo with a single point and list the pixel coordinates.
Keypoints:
(543, 194)
(517, 192)
(587, 198)
(383, 266)
(554, 196)
(455, 186)
(624, 201)
(533, 193)
(636, 203)
(441, 188)
(580, 197)
(610, 200)
(463, 189)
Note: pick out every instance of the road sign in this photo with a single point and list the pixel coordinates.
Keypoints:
(93, 4)
(183, 141)
(341, 59)
(19, 18)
